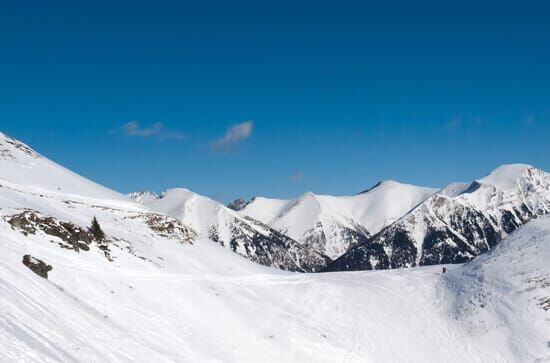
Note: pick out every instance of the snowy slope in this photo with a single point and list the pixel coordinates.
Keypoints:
(245, 236)
(20, 164)
(457, 223)
(206, 304)
(332, 224)
(502, 298)
(506, 176)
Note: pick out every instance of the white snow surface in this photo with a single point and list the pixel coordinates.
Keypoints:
(372, 210)
(199, 212)
(502, 298)
(510, 185)
(21, 165)
(506, 176)
(168, 300)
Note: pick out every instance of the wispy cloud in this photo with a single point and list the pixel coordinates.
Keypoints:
(133, 129)
(234, 134)
(296, 177)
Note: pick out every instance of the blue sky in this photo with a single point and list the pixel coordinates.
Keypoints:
(237, 98)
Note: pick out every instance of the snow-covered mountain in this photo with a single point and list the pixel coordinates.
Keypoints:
(41, 199)
(245, 236)
(502, 298)
(237, 204)
(152, 289)
(144, 197)
(334, 224)
(457, 223)
(21, 165)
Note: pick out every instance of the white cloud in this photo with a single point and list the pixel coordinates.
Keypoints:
(234, 134)
(133, 129)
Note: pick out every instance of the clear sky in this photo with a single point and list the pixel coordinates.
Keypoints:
(276, 98)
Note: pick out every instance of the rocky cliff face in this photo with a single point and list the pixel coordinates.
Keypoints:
(454, 226)
(331, 224)
(243, 235)
(238, 204)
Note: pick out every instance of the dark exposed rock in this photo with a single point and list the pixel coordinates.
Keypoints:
(72, 236)
(144, 196)
(472, 188)
(316, 237)
(271, 248)
(544, 304)
(239, 204)
(167, 227)
(371, 188)
(368, 257)
(5, 152)
(37, 266)
(403, 250)
(437, 249)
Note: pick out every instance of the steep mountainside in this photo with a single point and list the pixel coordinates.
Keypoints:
(19, 164)
(39, 199)
(502, 298)
(458, 223)
(245, 236)
(332, 224)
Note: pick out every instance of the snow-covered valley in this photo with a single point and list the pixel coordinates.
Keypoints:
(158, 290)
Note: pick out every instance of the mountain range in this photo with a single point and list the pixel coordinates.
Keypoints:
(239, 233)
(390, 225)
(90, 275)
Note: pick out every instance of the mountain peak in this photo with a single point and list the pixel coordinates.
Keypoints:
(381, 183)
(143, 196)
(239, 204)
(13, 149)
(307, 197)
(506, 176)
(308, 194)
(20, 164)
(178, 190)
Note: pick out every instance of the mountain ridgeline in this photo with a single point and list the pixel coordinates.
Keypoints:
(391, 225)
(454, 226)
(243, 235)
